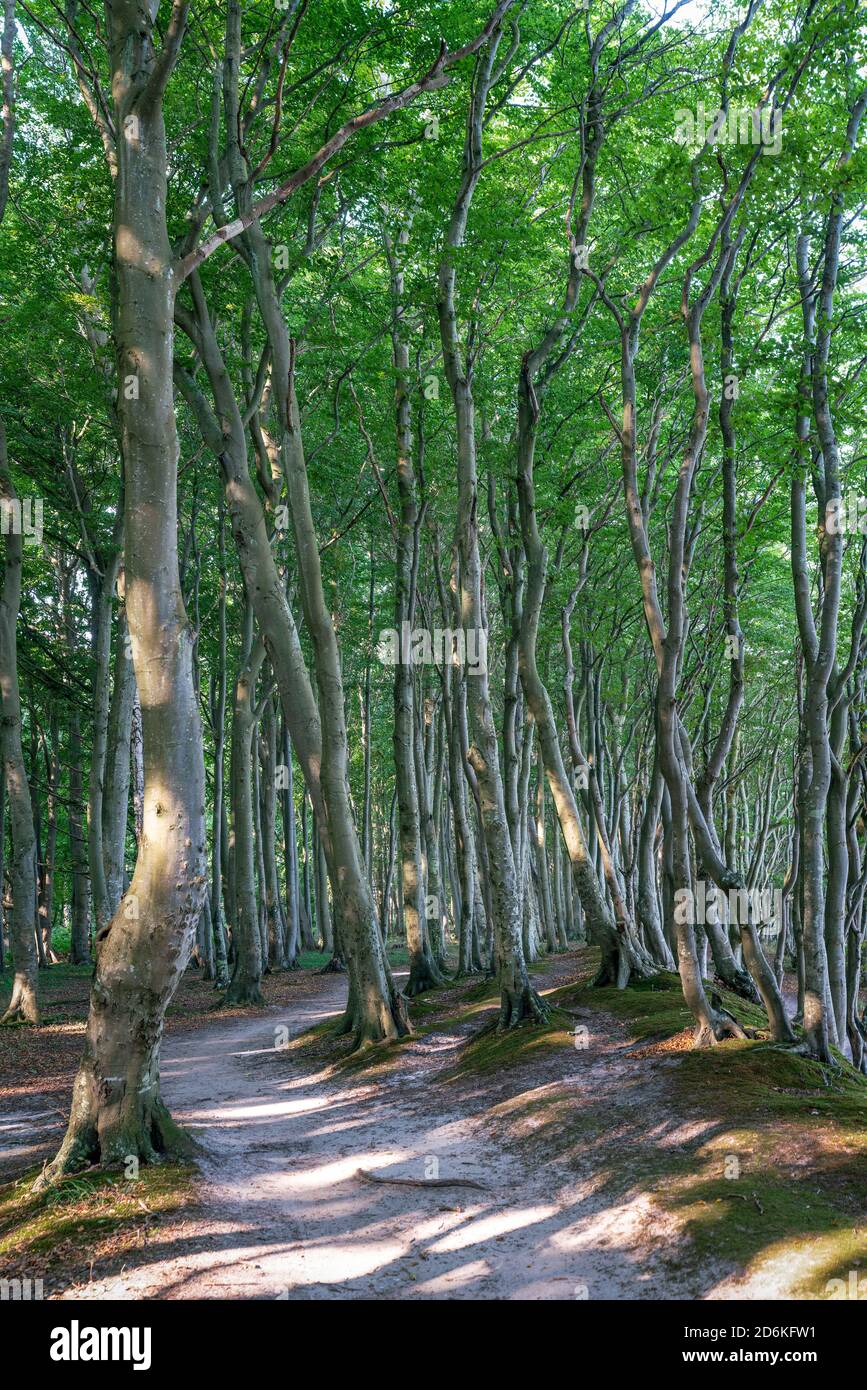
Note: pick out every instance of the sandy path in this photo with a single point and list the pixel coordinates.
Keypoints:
(285, 1216)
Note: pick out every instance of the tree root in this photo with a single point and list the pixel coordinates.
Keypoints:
(366, 1176)
(158, 1139)
(18, 1017)
(622, 962)
(521, 1006)
(723, 1025)
(424, 974)
(804, 1048)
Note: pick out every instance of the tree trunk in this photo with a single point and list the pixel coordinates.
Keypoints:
(115, 803)
(117, 1112)
(245, 984)
(23, 1006)
(424, 972)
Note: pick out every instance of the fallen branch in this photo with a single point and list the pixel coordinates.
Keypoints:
(420, 1182)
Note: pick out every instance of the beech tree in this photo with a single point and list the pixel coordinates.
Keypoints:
(445, 428)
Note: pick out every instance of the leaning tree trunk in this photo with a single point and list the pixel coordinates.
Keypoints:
(622, 955)
(117, 1113)
(376, 1010)
(375, 987)
(23, 1006)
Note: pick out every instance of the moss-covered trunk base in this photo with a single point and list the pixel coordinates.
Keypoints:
(132, 1126)
(424, 973)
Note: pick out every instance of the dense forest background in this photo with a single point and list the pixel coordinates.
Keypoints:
(433, 498)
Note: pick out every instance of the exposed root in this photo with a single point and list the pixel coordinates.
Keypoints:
(623, 959)
(722, 1025)
(423, 975)
(805, 1048)
(18, 1016)
(521, 1006)
(420, 1182)
(157, 1139)
(23, 1004)
(385, 1025)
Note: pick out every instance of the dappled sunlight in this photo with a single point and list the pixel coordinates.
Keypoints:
(344, 1169)
(244, 1112)
(493, 1226)
(457, 1280)
(573, 1175)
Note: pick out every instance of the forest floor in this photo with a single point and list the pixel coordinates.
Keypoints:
(609, 1159)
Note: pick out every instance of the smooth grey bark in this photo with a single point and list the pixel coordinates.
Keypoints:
(80, 925)
(819, 642)
(540, 854)
(518, 1000)
(116, 785)
(48, 856)
(23, 1005)
(290, 854)
(102, 584)
(366, 824)
(245, 984)
(324, 922)
(268, 801)
(116, 1108)
(430, 755)
(424, 973)
(307, 938)
(218, 726)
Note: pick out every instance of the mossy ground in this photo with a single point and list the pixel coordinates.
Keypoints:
(469, 1004)
(754, 1155)
(68, 1232)
(757, 1154)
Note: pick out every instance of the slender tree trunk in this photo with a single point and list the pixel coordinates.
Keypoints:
(23, 1006)
(102, 591)
(48, 860)
(423, 970)
(518, 1001)
(290, 851)
(117, 1112)
(245, 984)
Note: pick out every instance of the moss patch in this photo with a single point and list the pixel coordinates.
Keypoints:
(489, 1050)
(755, 1153)
(97, 1217)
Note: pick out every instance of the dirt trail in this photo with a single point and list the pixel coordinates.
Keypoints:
(285, 1215)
